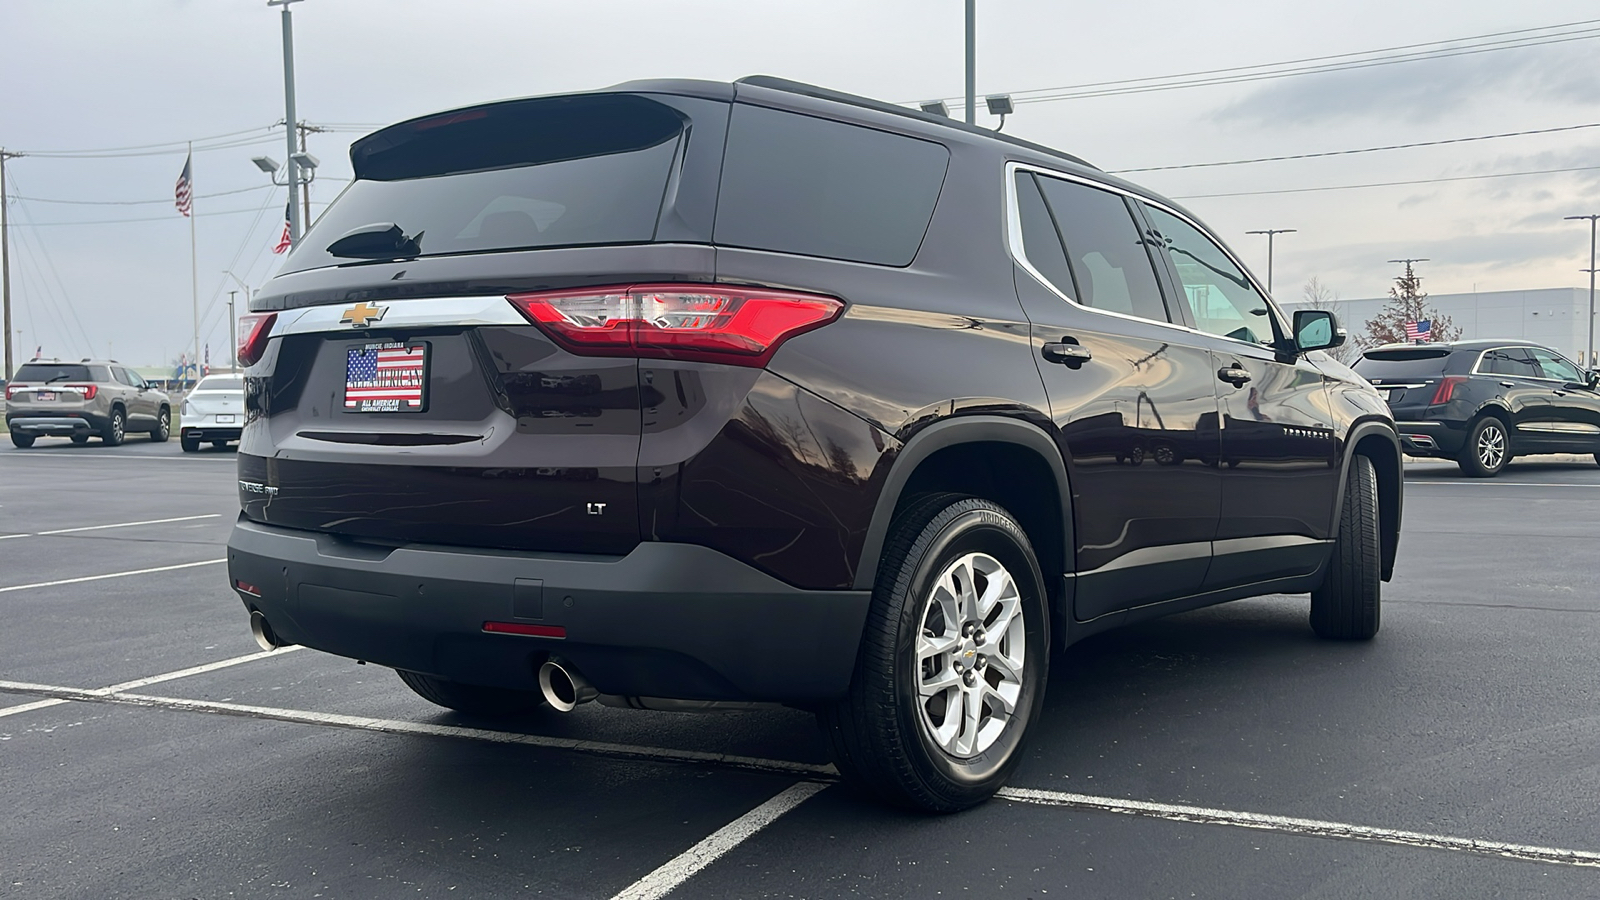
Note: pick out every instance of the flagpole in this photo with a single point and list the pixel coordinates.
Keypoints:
(194, 270)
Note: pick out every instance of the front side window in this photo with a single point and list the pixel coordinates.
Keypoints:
(1107, 254)
(1556, 366)
(1220, 295)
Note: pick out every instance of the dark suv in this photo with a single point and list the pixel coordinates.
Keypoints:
(684, 395)
(1481, 403)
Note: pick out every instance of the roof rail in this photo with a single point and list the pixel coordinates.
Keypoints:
(775, 83)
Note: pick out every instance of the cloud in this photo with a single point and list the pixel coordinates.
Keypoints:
(1427, 91)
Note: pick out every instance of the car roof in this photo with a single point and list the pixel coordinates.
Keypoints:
(55, 361)
(1474, 344)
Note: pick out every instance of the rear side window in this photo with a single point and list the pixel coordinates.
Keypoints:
(1402, 364)
(1512, 361)
(51, 372)
(799, 184)
(1108, 256)
(1040, 242)
(566, 171)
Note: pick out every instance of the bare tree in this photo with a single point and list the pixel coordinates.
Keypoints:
(1407, 303)
(1317, 295)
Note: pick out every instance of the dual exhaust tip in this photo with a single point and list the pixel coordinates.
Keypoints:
(265, 637)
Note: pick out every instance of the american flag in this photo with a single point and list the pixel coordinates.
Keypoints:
(184, 192)
(283, 239)
(388, 376)
(1417, 332)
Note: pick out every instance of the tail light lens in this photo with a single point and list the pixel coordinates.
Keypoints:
(1447, 388)
(87, 390)
(740, 326)
(12, 389)
(254, 330)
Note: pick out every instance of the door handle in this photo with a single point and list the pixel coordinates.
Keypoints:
(1066, 351)
(1508, 384)
(1234, 375)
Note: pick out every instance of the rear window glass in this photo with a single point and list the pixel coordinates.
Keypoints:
(799, 184)
(51, 372)
(1388, 365)
(568, 171)
(221, 383)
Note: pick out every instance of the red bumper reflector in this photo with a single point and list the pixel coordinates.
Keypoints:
(549, 631)
(246, 587)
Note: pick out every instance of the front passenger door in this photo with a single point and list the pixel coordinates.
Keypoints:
(1575, 407)
(1280, 457)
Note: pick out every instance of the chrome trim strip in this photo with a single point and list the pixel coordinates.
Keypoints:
(1560, 427)
(427, 312)
(1020, 256)
(1267, 542)
(1418, 424)
(1488, 350)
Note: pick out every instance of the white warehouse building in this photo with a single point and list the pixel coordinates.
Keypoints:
(1554, 317)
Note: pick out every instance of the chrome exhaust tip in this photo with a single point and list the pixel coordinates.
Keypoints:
(265, 637)
(563, 688)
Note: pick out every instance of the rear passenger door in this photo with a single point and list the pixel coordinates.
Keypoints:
(141, 403)
(1574, 423)
(1519, 383)
(1280, 473)
(1130, 394)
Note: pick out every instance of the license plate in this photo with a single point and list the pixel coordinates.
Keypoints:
(44, 395)
(390, 377)
(225, 419)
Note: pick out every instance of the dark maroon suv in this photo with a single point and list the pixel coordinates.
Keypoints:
(684, 395)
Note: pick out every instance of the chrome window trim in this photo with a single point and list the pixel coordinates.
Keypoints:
(425, 312)
(1020, 256)
(1478, 365)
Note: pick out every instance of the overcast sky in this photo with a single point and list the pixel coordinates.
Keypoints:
(89, 74)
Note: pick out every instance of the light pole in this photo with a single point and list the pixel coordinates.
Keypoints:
(288, 114)
(972, 62)
(233, 318)
(1589, 360)
(1269, 232)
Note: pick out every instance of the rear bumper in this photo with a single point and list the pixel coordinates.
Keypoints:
(65, 424)
(667, 620)
(1431, 438)
(205, 432)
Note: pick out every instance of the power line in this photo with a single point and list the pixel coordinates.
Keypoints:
(1348, 187)
(259, 187)
(1261, 159)
(1353, 60)
(182, 143)
(173, 151)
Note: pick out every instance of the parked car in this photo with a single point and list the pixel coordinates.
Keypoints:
(82, 399)
(683, 395)
(1482, 403)
(213, 411)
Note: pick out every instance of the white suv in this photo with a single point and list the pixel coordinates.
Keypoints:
(213, 411)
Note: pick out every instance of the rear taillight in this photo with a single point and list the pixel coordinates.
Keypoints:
(740, 326)
(1447, 388)
(87, 390)
(254, 330)
(13, 389)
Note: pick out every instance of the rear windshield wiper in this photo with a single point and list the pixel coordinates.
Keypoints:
(62, 377)
(380, 240)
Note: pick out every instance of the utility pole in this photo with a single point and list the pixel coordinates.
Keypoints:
(5, 258)
(1269, 232)
(233, 334)
(972, 62)
(1589, 361)
(305, 186)
(289, 120)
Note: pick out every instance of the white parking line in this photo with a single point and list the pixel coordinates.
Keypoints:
(682, 867)
(114, 525)
(25, 587)
(1490, 482)
(153, 679)
(1314, 827)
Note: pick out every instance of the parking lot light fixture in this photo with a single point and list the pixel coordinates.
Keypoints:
(935, 108)
(1589, 360)
(1000, 105)
(266, 164)
(1270, 232)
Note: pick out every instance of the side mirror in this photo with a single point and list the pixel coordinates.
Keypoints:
(1594, 378)
(1316, 329)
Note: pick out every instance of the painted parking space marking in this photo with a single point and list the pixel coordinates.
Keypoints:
(113, 525)
(1490, 482)
(43, 584)
(685, 865)
(153, 679)
(825, 774)
(1310, 827)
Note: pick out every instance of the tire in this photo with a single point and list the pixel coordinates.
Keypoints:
(190, 444)
(471, 698)
(883, 733)
(163, 429)
(1597, 458)
(21, 441)
(80, 439)
(116, 429)
(1346, 607)
(1487, 450)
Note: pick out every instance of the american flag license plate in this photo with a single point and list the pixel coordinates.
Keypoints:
(386, 377)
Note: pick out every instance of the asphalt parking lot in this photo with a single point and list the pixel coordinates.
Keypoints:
(147, 749)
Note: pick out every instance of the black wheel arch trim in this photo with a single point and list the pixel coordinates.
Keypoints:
(950, 432)
(1391, 490)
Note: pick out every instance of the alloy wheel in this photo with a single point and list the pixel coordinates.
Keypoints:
(970, 655)
(1491, 448)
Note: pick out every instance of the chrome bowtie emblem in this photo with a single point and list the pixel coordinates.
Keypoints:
(361, 315)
